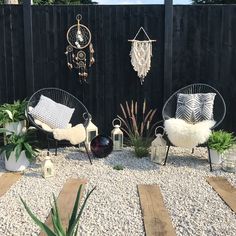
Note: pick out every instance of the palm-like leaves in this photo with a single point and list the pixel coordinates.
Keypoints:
(58, 229)
(17, 143)
(12, 112)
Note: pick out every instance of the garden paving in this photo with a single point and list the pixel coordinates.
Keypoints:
(114, 207)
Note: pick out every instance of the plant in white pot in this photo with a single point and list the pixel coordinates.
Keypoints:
(18, 150)
(12, 116)
(218, 143)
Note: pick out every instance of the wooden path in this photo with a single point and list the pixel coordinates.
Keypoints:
(65, 201)
(225, 190)
(7, 180)
(157, 221)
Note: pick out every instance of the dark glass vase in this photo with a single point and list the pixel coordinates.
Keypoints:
(101, 146)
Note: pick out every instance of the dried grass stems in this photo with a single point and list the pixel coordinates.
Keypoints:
(135, 125)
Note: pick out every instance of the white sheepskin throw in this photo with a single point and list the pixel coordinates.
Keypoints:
(74, 135)
(183, 134)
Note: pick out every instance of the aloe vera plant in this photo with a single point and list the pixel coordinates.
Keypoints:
(58, 230)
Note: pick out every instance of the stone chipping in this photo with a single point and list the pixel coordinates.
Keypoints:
(114, 207)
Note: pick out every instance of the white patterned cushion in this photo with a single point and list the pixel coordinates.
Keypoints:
(54, 114)
(195, 107)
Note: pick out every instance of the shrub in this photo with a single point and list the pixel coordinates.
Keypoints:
(221, 140)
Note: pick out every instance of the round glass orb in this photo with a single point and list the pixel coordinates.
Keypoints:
(101, 146)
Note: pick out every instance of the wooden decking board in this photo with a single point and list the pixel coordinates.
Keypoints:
(7, 180)
(156, 218)
(225, 190)
(65, 201)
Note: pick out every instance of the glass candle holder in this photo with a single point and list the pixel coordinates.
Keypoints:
(229, 160)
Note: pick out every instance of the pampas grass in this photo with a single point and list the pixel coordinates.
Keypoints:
(137, 121)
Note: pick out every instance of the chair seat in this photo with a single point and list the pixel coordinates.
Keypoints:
(74, 135)
(183, 134)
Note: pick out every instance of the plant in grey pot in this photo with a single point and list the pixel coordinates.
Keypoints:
(12, 116)
(219, 142)
(18, 150)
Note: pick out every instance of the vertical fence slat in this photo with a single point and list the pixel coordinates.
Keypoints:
(28, 37)
(168, 48)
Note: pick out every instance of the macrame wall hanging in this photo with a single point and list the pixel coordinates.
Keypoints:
(141, 53)
(80, 46)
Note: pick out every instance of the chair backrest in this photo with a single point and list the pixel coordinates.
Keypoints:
(219, 109)
(63, 97)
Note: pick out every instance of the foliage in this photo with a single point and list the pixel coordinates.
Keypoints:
(141, 151)
(58, 229)
(12, 112)
(141, 146)
(118, 167)
(221, 141)
(18, 143)
(214, 1)
(137, 124)
(136, 121)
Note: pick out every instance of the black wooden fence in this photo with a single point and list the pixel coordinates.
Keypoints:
(203, 50)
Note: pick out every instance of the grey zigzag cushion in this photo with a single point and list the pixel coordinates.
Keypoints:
(195, 107)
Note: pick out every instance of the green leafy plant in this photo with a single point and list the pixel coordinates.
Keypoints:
(141, 146)
(12, 112)
(19, 142)
(58, 230)
(118, 167)
(141, 152)
(221, 141)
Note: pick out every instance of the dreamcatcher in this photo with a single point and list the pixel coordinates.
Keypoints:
(79, 38)
(141, 53)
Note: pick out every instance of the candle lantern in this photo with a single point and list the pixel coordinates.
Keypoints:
(229, 160)
(117, 135)
(47, 168)
(91, 131)
(158, 147)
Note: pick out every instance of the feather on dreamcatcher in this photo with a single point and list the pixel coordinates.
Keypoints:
(79, 39)
(141, 53)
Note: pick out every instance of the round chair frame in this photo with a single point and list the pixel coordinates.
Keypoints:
(65, 98)
(219, 109)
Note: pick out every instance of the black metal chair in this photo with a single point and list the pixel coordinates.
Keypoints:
(219, 110)
(65, 98)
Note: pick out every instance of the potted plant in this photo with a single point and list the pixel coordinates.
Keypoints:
(18, 150)
(12, 116)
(219, 142)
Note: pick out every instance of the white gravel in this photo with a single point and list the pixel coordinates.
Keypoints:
(114, 208)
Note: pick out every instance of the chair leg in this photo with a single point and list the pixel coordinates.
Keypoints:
(166, 154)
(87, 153)
(209, 156)
(48, 141)
(192, 150)
(56, 144)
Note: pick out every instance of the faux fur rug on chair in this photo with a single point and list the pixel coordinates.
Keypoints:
(74, 135)
(183, 134)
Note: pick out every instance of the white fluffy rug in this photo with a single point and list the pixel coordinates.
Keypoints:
(183, 134)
